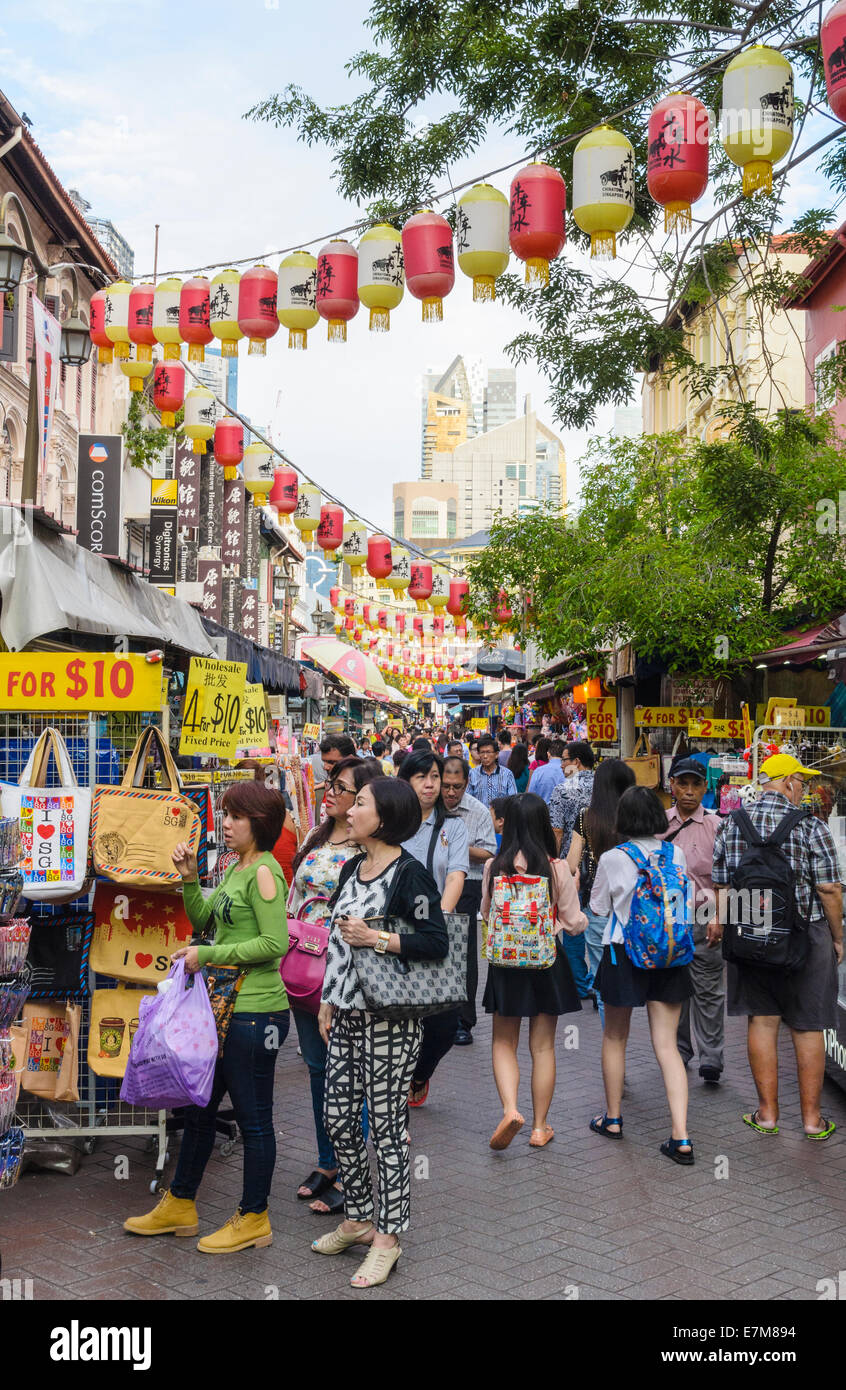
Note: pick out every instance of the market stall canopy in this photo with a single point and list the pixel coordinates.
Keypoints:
(50, 584)
(351, 667)
(467, 693)
(501, 661)
(809, 645)
(277, 673)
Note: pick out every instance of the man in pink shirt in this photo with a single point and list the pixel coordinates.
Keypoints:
(695, 831)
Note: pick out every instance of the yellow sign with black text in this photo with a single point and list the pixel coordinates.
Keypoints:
(214, 698)
(163, 492)
(602, 719)
(670, 716)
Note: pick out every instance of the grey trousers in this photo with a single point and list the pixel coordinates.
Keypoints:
(706, 1010)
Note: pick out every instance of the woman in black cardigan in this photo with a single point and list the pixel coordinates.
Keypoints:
(370, 1057)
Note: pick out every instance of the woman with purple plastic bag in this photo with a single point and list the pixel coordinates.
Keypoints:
(248, 910)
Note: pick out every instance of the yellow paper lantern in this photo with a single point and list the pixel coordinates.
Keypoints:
(439, 597)
(603, 188)
(200, 411)
(137, 372)
(258, 472)
(306, 517)
(166, 317)
(380, 274)
(400, 576)
(116, 318)
(756, 123)
(353, 550)
(481, 236)
(295, 300)
(223, 311)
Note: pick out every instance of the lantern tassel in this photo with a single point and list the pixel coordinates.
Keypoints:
(230, 473)
(380, 320)
(678, 217)
(433, 310)
(196, 353)
(123, 352)
(168, 419)
(259, 499)
(258, 347)
(603, 246)
(171, 352)
(297, 339)
(229, 347)
(537, 271)
(136, 383)
(484, 289)
(104, 356)
(757, 177)
(337, 331)
(144, 352)
(199, 446)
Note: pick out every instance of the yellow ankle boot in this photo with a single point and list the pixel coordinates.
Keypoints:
(240, 1231)
(173, 1214)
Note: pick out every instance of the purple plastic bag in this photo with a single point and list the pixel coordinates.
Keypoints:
(173, 1054)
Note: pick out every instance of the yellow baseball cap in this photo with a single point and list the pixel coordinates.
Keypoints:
(784, 765)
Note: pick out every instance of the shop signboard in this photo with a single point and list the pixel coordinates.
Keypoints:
(99, 467)
(209, 575)
(253, 738)
(693, 690)
(211, 506)
(187, 467)
(87, 682)
(669, 716)
(716, 728)
(311, 731)
(602, 719)
(813, 716)
(249, 613)
(163, 492)
(232, 542)
(164, 528)
(478, 725)
(214, 699)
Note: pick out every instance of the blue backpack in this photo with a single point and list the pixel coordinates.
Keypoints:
(658, 934)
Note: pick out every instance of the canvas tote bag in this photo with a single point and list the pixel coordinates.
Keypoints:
(135, 933)
(646, 766)
(54, 823)
(134, 831)
(51, 1069)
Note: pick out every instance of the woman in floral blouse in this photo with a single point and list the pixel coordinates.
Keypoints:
(317, 868)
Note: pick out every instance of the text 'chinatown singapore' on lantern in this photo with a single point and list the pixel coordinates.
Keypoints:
(756, 121)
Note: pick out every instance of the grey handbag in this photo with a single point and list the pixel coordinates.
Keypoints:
(397, 988)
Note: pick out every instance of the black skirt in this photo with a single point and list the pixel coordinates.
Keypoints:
(626, 986)
(517, 993)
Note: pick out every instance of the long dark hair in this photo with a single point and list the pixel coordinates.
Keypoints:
(363, 770)
(519, 760)
(611, 779)
(420, 761)
(527, 829)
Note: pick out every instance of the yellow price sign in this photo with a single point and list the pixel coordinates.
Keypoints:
(253, 741)
(479, 725)
(93, 682)
(311, 731)
(669, 716)
(211, 717)
(602, 719)
(715, 728)
(813, 716)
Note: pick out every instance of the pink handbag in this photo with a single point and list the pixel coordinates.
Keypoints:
(304, 967)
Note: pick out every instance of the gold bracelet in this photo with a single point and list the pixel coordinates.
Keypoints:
(380, 946)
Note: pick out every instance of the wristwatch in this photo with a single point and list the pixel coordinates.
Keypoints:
(381, 943)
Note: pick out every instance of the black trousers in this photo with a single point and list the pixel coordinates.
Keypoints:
(470, 902)
(438, 1038)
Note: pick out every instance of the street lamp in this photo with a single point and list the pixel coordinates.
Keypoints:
(12, 259)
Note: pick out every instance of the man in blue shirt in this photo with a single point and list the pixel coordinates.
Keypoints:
(489, 780)
(547, 776)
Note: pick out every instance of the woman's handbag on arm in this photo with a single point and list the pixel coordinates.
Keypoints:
(404, 989)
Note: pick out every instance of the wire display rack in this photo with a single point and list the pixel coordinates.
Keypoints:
(99, 746)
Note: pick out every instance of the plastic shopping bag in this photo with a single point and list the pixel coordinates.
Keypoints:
(173, 1054)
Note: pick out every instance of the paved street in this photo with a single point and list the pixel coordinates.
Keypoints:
(610, 1220)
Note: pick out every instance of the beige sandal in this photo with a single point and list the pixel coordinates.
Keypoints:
(337, 1241)
(377, 1266)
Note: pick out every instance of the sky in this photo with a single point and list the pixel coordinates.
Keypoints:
(140, 107)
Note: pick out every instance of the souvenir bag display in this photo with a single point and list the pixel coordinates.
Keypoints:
(134, 831)
(135, 933)
(53, 823)
(646, 766)
(520, 929)
(52, 1058)
(304, 967)
(115, 1017)
(397, 988)
(58, 953)
(174, 1051)
(658, 934)
(14, 992)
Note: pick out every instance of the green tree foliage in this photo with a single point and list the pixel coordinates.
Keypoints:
(442, 75)
(145, 442)
(697, 554)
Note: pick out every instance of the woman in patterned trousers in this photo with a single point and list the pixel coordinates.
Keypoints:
(370, 1057)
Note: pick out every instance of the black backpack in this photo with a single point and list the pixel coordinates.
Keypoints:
(764, 927)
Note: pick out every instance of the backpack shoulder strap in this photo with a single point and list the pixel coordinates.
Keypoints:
(746, 828)
(433, 841)
(632, 852)
(785, 825)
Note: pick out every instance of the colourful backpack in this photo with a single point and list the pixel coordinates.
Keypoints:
(658, 934)
(521, 923)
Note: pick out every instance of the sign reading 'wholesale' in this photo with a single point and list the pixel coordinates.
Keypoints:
(99, 468)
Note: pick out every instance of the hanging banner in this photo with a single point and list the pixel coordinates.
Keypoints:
(99, 470)
(187, 469)
(249, 614)
(211, 505)
(232, 540)
(747, 724)
(602, 719)
(716, 728)
(164, 529)
(92, 682)
(211, 716)
(47, 338)
(253, 739)
(208, 574)
(252, 544)
(669, 716)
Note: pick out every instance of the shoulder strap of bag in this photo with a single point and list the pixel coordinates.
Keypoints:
(785, 825)
(746, 828)
(36, 768)
(433, 841)
(668, 839)
(134, 775)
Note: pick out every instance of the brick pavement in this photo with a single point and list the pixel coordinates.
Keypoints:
(610, 1220)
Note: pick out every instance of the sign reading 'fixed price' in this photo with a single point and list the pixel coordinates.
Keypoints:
(214, 698)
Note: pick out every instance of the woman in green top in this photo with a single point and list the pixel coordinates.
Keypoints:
(248, 914)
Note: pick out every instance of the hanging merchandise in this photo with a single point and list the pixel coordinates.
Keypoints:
(306, 514)
(258, 472)
(400, 575)
(603, 188)
(283, 494)
(257, 307)
(53, 823)
(140, 323)
(200, 411)
(295, 297)
(330, 531)
(537, 218)
(223, 311)
(136, 371)
(229, 445)
(194, 317)
(420, 583)
(168, 391)
(481, 233)
(336, 295)
(677, 166)
(116, 318)
(833, 42)
(379, 562)
(429, 264)
(380, 274)
(458, 591)
(97, 327)
(166, 317)
(439, 597)
(756, 122)
(354, 547)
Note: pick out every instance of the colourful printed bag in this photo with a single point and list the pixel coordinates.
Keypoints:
(53, 821)
(521, 927)
(657, 934)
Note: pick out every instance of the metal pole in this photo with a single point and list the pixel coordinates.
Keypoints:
(29, 481)
(156, 254)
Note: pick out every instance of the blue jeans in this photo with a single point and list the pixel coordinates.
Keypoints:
(246, 1071)
(574, 949)
(314, 1052)
(593, 945)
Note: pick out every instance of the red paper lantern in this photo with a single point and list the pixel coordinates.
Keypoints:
(382, 617)
(283, 494)
(833, 40)
(365, 613)
(379, 563)
(330, 529)
(400, 622)
(395, 670)
(454, 673)
(349, 607)
(140, 322)
(502, 612)
(538, 216)
(458, 591)
(349, 624)
(257, 307)
(229, 445)
(168, 390)
(334, 596)
(429, 261)
(97, 326)
(677, 167)
(417, 625)
(336, 297)
(438, 626)
(194, 315)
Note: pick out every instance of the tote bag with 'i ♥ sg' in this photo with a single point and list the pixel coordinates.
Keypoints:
(53, 822)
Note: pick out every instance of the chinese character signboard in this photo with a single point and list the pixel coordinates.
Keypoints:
(209, 575)
(231, 545)
(188, 479)
(249, 614)
(214, 699)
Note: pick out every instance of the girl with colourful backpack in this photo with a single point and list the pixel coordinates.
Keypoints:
(641, 888)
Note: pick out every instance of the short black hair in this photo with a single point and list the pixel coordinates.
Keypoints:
(400, 816)
(640, 813)
(583, 752)
(456, 743)
(556, 748)
(419, 743)
(460, 764)
(378, 748)
(504, 736)
(542, 749)
(486, 740)
(498, 806)
(338, 743)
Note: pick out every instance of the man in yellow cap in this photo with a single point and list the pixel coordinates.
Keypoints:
(804, 998)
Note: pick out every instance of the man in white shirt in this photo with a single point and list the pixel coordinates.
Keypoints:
(480, 833)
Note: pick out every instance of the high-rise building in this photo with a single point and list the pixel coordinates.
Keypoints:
(426, 513)
(462, 402)
(108, 236)
(218, 374)
(500, 397)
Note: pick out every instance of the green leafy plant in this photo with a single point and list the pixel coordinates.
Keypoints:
(145, 441)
